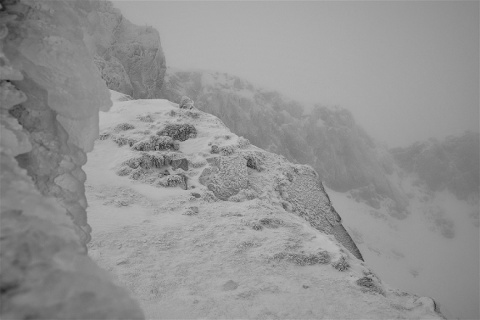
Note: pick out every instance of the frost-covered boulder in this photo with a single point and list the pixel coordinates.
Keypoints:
(226, 176)
(186, 103)
(50, 96)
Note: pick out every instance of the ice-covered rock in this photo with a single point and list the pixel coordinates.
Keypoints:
(130, 57)
(50, 96)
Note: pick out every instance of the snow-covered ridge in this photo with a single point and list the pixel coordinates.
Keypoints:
(242, 233)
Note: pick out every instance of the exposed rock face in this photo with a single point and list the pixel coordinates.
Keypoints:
(130, 57)
(327, 139)
(50, 96)
(299, 186)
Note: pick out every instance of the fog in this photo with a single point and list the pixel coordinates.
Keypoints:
(407, 70)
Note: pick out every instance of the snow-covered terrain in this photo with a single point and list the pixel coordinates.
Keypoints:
(183, 253)
(434, 251)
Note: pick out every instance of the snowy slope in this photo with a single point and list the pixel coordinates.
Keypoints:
(183, 253)
(434, 251)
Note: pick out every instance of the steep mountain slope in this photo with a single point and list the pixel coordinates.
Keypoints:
(197, 222)
(328, 139)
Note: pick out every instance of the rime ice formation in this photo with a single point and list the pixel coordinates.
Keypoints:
(246, 235)
(130, 57)
(50, 96)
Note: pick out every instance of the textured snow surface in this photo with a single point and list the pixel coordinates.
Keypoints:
(187, 254)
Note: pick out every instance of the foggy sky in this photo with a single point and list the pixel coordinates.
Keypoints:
(406, 70)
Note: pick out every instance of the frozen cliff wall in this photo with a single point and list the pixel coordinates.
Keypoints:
(50, 96)
(130, 57)
(328, 139)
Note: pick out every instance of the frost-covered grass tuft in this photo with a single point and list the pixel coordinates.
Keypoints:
(155, 143)
(104, 136)
(123, 127)
(341, 264)
(369, 285)
(303, 259)
(148, 161)
(122, 140)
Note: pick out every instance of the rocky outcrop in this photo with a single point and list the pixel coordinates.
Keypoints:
(50, 96)
(328, 139)
(130, 57)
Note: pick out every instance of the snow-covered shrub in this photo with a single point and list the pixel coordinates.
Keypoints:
(145, 118)
(123, 127)
(243, 143)
(104, 136)
(138, 173)
(341, 264)
(156, 143)
(191, 211)
(123, 140)
(256, 226)
(180, 132)
(271, 223)
(369, 285)
(147, 161)
(173, 180)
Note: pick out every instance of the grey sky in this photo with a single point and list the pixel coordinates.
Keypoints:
(407, 70)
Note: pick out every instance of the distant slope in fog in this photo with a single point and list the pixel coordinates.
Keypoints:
(451, 164)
